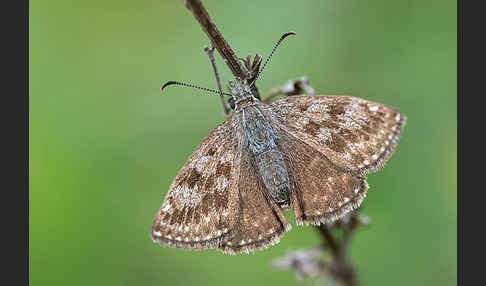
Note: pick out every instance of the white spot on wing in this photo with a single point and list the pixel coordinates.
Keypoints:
(324, 134)
(373, 107)
(166, 208)
(221, 183)
(226, 157)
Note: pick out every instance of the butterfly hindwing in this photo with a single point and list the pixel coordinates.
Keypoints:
(320, 191)
(202, 202)
(353, 133)
(260, 221)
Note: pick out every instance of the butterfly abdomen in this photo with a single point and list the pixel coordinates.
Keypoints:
(272, 170)
(269, 162)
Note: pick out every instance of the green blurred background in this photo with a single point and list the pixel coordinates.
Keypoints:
(105, 145)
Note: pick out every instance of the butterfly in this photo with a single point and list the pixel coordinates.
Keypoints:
(306, 153)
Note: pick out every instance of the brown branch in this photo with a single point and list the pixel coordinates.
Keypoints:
(341, 268)
(329, 241)
(311, 263)
(217, 40)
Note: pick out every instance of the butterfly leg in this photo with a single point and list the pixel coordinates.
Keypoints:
(210, 52)
(292, 87)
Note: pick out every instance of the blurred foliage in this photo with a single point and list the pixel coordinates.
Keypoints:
(105, 145)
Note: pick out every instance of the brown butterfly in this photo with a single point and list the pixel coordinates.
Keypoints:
(308, 152)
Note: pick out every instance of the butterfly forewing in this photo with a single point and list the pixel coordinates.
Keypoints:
(202, 202)
(353, 133)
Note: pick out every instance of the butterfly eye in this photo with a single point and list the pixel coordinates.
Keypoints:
(231, 102)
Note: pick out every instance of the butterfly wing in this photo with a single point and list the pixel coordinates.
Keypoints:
(353, 133)
(260, 221)
(202, 202)
(321, 192)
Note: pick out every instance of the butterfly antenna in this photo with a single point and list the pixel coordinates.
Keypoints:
(190, 85)
(271, 54)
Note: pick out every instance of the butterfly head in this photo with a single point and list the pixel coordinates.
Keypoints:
(240, 93)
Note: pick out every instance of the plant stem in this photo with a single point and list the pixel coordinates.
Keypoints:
(217, 40)
(341, 268)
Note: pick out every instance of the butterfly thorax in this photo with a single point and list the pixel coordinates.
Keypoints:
(241, 94)
(261, 140)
